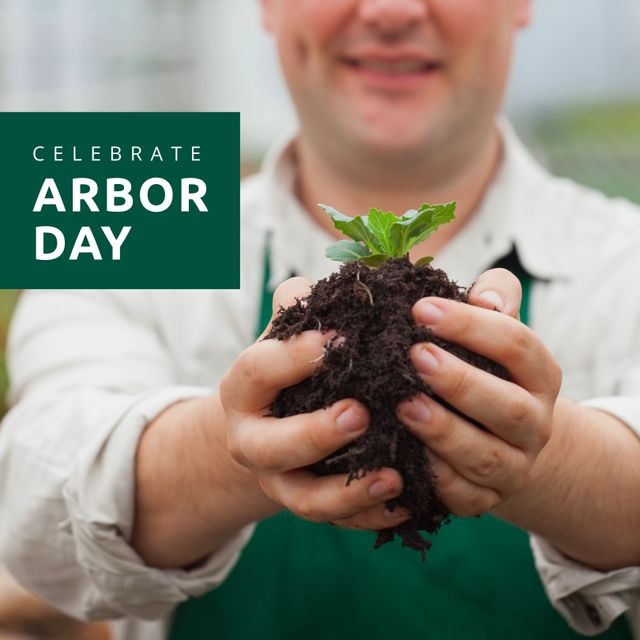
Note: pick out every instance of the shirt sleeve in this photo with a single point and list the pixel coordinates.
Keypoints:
(588, 599)
(89, 372)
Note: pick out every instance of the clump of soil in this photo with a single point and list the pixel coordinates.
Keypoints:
(371, 310)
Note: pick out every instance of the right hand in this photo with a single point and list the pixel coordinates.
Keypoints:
(278, 450)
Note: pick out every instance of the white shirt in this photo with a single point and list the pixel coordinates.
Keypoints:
(90, 369)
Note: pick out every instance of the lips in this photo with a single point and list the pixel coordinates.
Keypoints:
(399, 66)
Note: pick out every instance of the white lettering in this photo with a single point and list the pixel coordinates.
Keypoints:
(144, 195)
(196, 197)
(55, 199)
(79, 196)
(41, 254)
(116, 243)
(35, 155)
(156, 155)
(91, 246)
(122, 193)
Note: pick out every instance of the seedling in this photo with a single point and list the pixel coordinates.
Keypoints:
(382, 235)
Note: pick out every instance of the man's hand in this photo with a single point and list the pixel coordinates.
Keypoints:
(565, 471)
(278, 450)
(479, 470)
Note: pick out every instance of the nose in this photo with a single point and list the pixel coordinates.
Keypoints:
(392, 16)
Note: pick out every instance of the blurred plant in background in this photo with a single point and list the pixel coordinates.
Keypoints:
(8, 299)
(598, 146)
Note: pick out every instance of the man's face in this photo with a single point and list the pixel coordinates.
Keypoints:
(395, 75)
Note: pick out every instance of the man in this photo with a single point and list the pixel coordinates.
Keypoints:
(124, 493)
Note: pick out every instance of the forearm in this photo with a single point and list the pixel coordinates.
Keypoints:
(191, 496)
(585, 487)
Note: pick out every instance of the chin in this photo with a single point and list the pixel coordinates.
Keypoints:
(395, 127)
(393, 140)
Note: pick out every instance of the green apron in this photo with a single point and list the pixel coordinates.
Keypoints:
(301, 581)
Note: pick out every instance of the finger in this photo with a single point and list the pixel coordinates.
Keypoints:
(505, 408)
(286, 295)
(262, 370)
(495, 336)
(282, 444)
(330, 498)
(375, 518)
(462, 497)
(476, 455)
(497, 289)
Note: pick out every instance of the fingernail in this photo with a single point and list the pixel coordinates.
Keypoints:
(417, 410)
(398, 514)
(492, 300)
(427, 313)
(351, 420)
(425, 361)
(381, 489)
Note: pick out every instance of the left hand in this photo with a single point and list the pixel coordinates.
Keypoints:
(479, 470)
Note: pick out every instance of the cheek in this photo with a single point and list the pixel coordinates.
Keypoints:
(323, 17)
(477, 35)
(313, 22)
(305, 33)
(465, 24)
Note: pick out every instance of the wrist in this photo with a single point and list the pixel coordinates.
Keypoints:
(190, 496)
(581, 487)
(243, 493)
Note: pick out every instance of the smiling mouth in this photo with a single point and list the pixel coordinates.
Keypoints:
(392, 67)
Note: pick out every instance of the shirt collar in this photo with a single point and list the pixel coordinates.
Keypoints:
(529, 211)
(516, 210)
(297, 242)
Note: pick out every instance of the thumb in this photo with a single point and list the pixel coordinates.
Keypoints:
(286, 295)
(497, 289)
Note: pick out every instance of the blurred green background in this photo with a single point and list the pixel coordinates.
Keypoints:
(595, 145)
(7, 302)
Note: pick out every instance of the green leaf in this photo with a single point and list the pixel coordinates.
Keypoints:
(423, 262)
(440, 214)
(355, 228)
(346, 251)
(380, 235)
(375, 260)
(380, 223)
(416, 226)
(398, 234)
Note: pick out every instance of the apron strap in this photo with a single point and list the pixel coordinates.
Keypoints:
(512, 262)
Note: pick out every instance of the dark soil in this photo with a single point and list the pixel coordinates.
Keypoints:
(371, 310)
